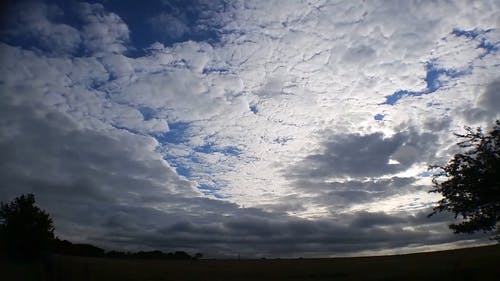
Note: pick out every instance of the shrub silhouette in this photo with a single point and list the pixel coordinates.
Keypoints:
(472, 186)
(26, 231)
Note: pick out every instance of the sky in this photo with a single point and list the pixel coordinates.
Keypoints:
(250, 128)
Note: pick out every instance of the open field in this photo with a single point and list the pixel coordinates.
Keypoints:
(481, 263)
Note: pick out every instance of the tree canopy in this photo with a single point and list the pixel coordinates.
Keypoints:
(470, 182)
(26, 231)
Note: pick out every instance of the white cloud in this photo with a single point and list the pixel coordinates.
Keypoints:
(103, 32)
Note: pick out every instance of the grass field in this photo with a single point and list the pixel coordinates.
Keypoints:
(481, 263)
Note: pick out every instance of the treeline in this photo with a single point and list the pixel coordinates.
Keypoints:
(65, 247)
(27, 234)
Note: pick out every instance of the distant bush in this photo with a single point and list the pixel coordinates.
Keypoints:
(178, 255)
(65, 247)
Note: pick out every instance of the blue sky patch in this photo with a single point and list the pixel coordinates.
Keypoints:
(147, 113)
(254, 109)
(210, 148)
(176, 134)
(432, 78)
(467, 33)
(379, 117)
(478, 34)
(185, 172)
(211, 190)
(488, 46)
(167, 22)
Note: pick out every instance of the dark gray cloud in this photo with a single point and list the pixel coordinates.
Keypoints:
(269, 236)
(372, 185)
(490, 100)
(63, 156)
(487, 106)
(351, 155)
(355, 155)
(341, 194)
(352, 170)
(437, 124)
(77, 172)
(367, 219)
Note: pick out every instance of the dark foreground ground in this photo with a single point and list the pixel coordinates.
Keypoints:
(481, 263)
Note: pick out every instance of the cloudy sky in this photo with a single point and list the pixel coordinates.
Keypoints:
(264, 128)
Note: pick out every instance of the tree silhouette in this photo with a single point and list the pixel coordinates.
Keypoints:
(25, 230)
(471, 185)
